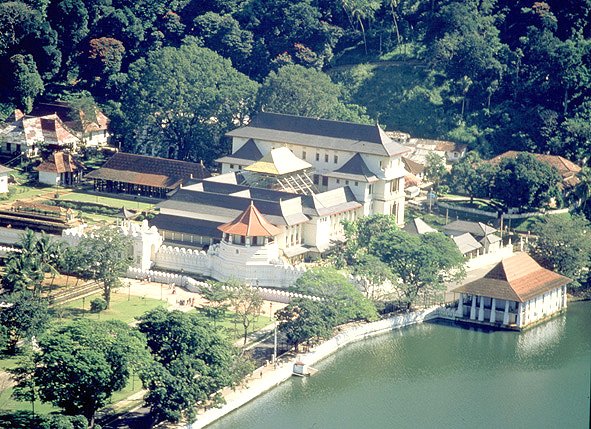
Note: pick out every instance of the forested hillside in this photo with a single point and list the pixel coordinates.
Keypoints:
(497, 74)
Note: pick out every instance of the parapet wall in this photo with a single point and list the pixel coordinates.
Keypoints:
(193, 285)
(210, 264)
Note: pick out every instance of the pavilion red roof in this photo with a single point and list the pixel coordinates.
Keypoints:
(250, 223)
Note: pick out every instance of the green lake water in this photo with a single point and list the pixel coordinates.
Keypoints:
(441, 376)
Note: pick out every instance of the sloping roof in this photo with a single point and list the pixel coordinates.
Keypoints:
(148, 170)
(418, 226)
(517, 278)
(229, 206)
(186, 225)
(413, 167)
(60, 162)
(278, 162)
(76, 120)
(477, 229)
(250, 223)
(490, 239)
(331, 202)
(466, 243)
(355, 169)
(319, 133)
(248, 152)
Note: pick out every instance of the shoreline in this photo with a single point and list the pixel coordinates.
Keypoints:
(269, 377)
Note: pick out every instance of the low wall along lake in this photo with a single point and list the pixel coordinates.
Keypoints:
(437, 375)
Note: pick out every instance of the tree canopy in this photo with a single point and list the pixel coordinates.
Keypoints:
(79, 366)
(193, 360)
(183, 101)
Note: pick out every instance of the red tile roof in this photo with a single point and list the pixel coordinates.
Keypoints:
(518, 278)
(60, 162)
(565, 167)
(250, 223)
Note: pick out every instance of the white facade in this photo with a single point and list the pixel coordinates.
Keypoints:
(511, 314)
(3, 182)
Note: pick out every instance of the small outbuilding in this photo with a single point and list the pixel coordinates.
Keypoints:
(516, 293)
(60, 168)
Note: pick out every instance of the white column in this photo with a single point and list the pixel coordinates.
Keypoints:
(460, 310)
(518, 321)
(506, 314)
(564, 296)
(473, 308)
(481, 310)
(493, 311)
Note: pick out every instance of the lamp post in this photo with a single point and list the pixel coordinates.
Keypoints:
(275, 346)
(129, 291)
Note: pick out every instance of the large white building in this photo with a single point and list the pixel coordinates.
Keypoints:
(341, 154)
(305, 176)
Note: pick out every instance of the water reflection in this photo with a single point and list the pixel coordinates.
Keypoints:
(541, 339)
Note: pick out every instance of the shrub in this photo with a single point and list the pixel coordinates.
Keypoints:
(97, 305)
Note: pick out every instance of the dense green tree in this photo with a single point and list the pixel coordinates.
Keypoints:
(183, 100)
(563, 244)
(27, 33)
(583, 189)
(106, 253)
(343, 298)
(471, 176)
(23, 317)
(222, 34)
(24, 268)
(194, 360)
(79, 366)
(70, 19)
(526, 182)
(21, 83)
(435, 169)
(297, 90)
(305, 319)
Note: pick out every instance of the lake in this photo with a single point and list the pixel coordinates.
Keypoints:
(437, 375)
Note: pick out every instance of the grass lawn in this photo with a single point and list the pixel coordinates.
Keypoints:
(527, 224)
(9, 404)
(228, 323)
(121, 308)
(21, 192)
(108, 201)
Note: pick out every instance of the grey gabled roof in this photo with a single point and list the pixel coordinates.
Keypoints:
(466, 243)
(335, 201)
(229, 206)
(320, 133)
(418, 226)
(248, 152)
(186, 225)
(478, 229)
(356, 169)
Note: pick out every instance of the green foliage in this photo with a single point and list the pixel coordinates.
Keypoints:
(24, 316)
(79, 366)
(184, 99)
(218, 297)
(304, 319)
(414, 263)
(435, 169)
(526, 182)
(29, 420)
(106, 255)
(296, 90)
(563, 244)
(473, 177)
(246, 302)
(21, 83)
(342, 298)
(193, 361)
(97, 305)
